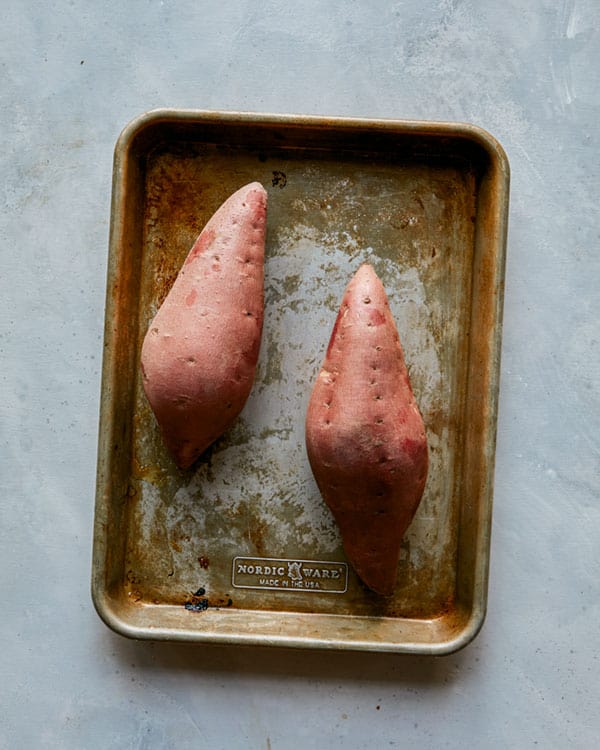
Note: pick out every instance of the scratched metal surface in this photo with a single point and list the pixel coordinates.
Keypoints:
(414, 215)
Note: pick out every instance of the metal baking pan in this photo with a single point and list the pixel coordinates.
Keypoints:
(241, 549)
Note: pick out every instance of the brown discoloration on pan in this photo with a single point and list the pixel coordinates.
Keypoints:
(426, 205)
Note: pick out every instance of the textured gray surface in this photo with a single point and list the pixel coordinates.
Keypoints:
(73, 74)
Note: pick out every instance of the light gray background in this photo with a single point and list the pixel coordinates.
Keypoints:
(72, 75)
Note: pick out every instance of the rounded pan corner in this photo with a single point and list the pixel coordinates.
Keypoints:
(142, 126)
(110, 616)
(467, 635)
(139, 123)
(490, 144)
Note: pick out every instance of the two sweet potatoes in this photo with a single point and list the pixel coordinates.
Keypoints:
(365, 436)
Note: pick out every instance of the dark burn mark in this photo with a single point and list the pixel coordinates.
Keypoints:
(204, 561)
(279, 179)
(198, 602)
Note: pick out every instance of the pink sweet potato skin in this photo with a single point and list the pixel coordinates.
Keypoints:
(200, 352)
(365, 436)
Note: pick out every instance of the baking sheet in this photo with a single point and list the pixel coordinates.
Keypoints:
(241, 548)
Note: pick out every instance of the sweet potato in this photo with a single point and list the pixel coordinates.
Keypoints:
(200, 352)
(365, 436)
